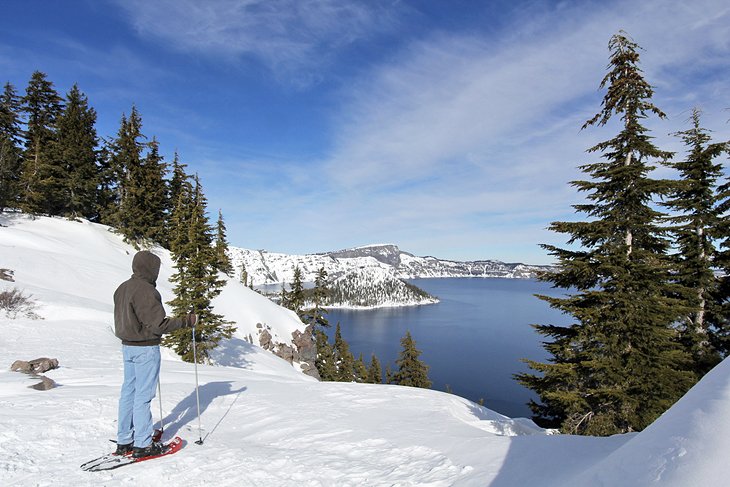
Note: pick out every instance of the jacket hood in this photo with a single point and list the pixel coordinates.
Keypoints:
(146, 266)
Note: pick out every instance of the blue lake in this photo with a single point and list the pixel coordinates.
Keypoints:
(473, 340)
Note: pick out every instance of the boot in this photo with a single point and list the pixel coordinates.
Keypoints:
(152, 450)
(124, 449)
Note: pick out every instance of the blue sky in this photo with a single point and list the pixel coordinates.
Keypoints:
(450, 128)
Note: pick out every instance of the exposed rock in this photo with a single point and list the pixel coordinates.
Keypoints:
(387, 254)
(37, 366)
(305, 344)
(306, 347)
(7, 275)
(303, 351)
(44, 384)
(265, 339)
(286, 352)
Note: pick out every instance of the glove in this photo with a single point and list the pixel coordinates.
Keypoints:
(191, 320)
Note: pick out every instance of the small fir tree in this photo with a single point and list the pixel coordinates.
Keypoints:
(221, 247)
(411, 370)
(196, 280)
(326, 362)
(375, 372)
(344, 358)
(316, 314)
(295, 296)
(361, 370)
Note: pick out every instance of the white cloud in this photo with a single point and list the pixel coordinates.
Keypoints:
(294, 38)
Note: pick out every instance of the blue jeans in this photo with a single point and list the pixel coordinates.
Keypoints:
(141, 371)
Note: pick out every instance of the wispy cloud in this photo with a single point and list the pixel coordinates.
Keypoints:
(296, 39)
(470, 126)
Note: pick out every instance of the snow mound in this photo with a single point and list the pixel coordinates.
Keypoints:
(688, 445)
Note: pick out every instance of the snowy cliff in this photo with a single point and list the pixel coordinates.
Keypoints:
(265, 267)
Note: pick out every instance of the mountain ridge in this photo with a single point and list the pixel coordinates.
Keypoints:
(264, 268)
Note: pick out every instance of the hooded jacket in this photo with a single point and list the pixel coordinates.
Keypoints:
(139, 318)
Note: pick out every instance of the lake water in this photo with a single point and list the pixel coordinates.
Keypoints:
(472, 340)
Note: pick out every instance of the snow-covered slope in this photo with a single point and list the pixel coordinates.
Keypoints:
(266, 424)
(73, 267)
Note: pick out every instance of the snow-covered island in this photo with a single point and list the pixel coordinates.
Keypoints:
(369, 276)
(264, 422)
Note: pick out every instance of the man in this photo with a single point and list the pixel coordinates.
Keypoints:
(139, 321)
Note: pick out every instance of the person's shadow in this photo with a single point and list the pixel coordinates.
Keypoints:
(186, 410)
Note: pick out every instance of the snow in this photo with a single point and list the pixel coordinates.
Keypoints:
(266, 424)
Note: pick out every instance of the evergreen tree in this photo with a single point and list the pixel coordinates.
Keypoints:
(619, 365)
(375, 372)
(295, 296)
(326, 361)
(125, 161)
(75, 154)
(694, 200)
(179, 182)
(221, 247)
(152, 196)
(411, 370)
(718, 318)
(316, 314)
(10, 151)
(180, 190)
(41, 178)
(107, 203)
(345, 360)
(196, 280)
(361, 370)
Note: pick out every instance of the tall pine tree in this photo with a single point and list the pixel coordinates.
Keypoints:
(75, 153)
(124, 168)
(41, 178)
(152, 196)
(10, 150)
(718, 319)
(619, 365)
(695, 203)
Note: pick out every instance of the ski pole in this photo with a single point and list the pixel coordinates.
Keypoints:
(159, 394)
(197, 394)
